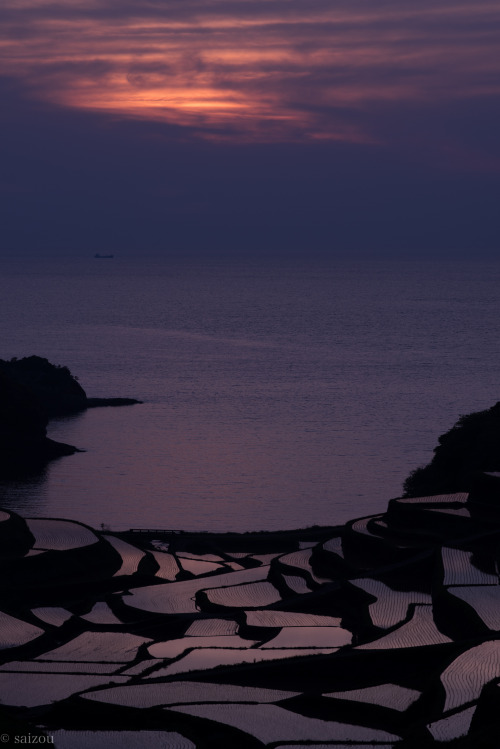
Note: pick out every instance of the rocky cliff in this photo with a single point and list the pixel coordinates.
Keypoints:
(24, 445)
(33, 390)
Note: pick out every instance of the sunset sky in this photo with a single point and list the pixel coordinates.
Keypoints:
(250, 126)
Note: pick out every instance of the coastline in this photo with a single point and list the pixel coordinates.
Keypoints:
(32, 392)
(362, 632)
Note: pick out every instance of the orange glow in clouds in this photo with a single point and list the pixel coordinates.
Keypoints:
(261, 75)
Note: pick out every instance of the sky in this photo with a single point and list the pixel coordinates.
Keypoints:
(244, 127)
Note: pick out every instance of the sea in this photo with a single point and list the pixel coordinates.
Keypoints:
(277, 393)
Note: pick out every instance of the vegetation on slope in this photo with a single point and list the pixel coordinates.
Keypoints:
(470, 446)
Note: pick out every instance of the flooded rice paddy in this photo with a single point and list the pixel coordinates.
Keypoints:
(350, 620)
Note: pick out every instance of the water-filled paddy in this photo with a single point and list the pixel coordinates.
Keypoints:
(254, 646)
(272, 723)
(60, 535)
(33, 690)
(119, 647)
(420, 631)
(185, 692)
(15, 632)
(131, 556)
(386, 695)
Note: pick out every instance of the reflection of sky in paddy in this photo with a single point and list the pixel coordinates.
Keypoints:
(204, 659)
(312, 637)
(14, 632)
(173, 648)
(179, 692)
(270, 723)
(418, 632)
(31, 690)
(199, 566)
(178, 597)
(131, 556)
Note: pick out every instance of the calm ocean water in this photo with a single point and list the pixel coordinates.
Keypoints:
(276, 394)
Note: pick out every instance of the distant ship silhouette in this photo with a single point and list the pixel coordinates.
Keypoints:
(102, 257)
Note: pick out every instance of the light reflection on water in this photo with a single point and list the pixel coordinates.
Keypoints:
(275, 396)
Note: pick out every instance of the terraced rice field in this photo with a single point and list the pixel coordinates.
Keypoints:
(459, 570)
(117, 647)
(121, 740)
(207, 658)
(185, 693)
(435, 499)
(296, 584)
(391, 606)
(167, 563)
(114, 664)
(243, 596)
(265, 559)
(310, 637)
(199, 567)
(270, 618)
(334, 546)
(54, 667)
(464, 679)
(140, 667)
(419, 631)
(54, 615)
(101, 614)
(211, 628)
(302, 561)
(131, 556)
(60, 535)
(460, 512)
(179, 597)
(15, 632)
(361, 526)
(385, 695)
(484, 599)
(33, 690)
(383, 529)
(454, 726)
(200, 557)
(174, 648)
(269, 723)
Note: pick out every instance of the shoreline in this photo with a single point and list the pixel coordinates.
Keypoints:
(357, 633)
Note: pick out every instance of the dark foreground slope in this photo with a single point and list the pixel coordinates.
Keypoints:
(24, 445)
(472, 445)
(32, 390)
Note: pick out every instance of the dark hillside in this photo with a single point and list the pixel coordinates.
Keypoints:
(55, 388)
(24, 445)
(472, 445)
